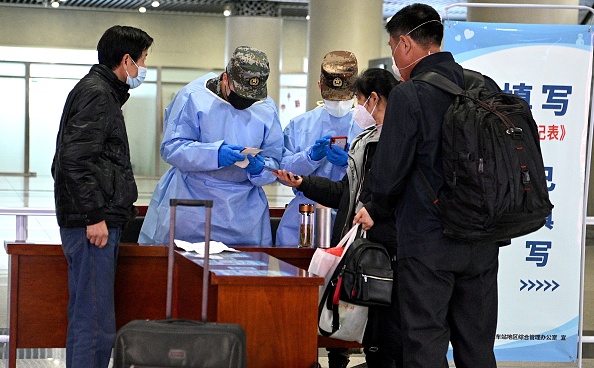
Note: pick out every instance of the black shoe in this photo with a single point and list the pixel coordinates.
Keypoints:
(338, 365)
(338, 358)
(378, 359)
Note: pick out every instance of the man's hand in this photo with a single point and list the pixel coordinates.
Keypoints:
(98, 234)
(362, 217)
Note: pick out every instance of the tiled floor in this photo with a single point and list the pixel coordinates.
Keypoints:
(37, 192)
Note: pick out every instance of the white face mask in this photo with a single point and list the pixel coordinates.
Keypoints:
(137, 81)
(362, 117)
(396, 70)
(338, 108)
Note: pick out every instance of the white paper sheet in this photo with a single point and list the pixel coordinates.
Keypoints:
(214, 247)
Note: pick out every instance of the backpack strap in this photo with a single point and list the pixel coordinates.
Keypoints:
(472, 80)
(428, 190)
(441, 82)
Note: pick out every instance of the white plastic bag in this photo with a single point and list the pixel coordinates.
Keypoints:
(352, 318)
(324, 260)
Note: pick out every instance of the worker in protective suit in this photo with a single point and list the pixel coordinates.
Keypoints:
(307, 148)
(206, 127)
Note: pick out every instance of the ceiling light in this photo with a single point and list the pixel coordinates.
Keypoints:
(227, 11)
(55, 4)
(142, 9)
(155, 4)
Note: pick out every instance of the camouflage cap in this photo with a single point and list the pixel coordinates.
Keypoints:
(339, 72)
(249, 70)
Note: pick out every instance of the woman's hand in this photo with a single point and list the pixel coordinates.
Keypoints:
(362, 217)
(287, 178)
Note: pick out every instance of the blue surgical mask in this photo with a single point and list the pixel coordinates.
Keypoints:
(338, 108)
(137, 81)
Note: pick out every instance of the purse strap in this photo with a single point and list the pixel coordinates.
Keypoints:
(335, 316)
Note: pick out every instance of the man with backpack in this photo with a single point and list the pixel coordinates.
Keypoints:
(447, 288)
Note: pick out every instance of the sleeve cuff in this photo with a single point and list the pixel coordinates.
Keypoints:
(94, 217)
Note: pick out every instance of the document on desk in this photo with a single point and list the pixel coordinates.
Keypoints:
(214, 247)
(247, 151)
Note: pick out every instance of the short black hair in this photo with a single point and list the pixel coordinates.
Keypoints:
(412, 16)
(376, 80)
(118, 41)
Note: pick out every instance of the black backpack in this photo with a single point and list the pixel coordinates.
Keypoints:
(496, 188)
(364, 275)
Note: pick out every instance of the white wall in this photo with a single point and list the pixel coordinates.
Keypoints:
(181, 40)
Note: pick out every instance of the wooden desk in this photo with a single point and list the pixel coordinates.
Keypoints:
(299, 257)
(276, 304)
(265, 305)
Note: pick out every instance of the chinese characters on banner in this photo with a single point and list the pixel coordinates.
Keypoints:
(539, 274)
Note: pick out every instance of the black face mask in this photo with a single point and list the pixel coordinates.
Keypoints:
(238, 102)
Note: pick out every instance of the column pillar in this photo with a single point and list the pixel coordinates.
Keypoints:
(257, 24)
(351, 25)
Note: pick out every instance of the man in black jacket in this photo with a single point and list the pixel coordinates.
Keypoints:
(94, 190)
(447, 289)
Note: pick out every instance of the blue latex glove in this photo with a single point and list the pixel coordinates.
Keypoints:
(337, 156)
(229, 154)
(256, 164)
(318, 150)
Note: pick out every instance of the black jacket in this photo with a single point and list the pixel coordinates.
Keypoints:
(411, 143)
(93, 178)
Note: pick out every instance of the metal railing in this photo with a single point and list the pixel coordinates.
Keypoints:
(22, 216)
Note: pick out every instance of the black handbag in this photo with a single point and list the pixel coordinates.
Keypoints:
(365, 276)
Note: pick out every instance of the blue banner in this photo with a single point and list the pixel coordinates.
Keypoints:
(550, 66)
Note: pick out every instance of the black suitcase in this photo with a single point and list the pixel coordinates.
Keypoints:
(173, 343)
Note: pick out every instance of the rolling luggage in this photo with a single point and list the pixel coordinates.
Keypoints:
(173, 343)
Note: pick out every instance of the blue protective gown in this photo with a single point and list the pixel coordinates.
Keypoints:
(300, 135)
(197, 122)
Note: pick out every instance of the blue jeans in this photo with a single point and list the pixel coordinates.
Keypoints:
(91, 311)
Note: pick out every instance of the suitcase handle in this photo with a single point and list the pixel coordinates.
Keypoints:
(173, 202)
(190, 202)
(180, 322)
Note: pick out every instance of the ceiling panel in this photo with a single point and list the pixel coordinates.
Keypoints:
(286, 8)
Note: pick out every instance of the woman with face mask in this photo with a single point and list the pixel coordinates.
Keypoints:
(382, 338)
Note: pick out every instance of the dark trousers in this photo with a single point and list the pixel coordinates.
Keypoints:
(449, 296)
(91, 311)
